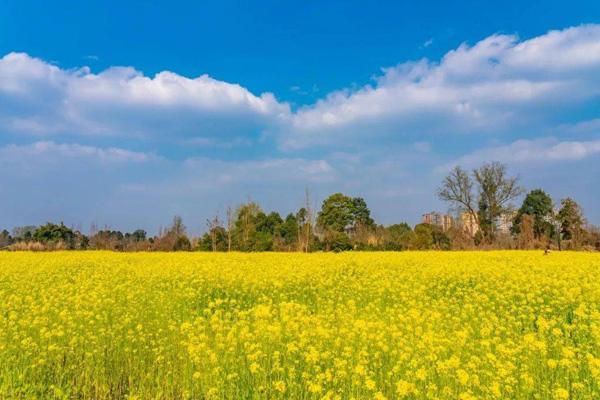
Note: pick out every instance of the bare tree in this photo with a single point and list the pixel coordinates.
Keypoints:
(496, 190)
(457, 188)
(526, 237)
(308, 220)
(229, 227)
(213, 224)
(485, 195)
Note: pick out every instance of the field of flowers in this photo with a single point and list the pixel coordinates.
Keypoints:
(486, 325)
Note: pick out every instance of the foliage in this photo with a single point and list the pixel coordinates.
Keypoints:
(571, 219)
(538, 205)
(5, 239)
(428, 236)
(399, 237)
(59, 237)
(337, 213)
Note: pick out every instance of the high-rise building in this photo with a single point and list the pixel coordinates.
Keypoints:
(447, 222)
(504, 222)
(469, 223)
(444, 221)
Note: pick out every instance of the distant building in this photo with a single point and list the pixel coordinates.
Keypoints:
(469, 223)
(447, 222)
(444, 221)
(504, 222)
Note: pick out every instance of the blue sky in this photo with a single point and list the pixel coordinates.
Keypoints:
(126, 114)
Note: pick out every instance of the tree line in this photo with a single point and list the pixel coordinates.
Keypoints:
(481, 200)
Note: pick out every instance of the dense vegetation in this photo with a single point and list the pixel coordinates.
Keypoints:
(485, 195)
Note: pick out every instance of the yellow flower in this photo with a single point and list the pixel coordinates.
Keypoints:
(463, 376)
(561, 394)
(379, 396)
(404, 388)
(421, 374)
(254, 367)
(370, 383)
(280, 386)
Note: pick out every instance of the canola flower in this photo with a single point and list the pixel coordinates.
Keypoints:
(429, 325)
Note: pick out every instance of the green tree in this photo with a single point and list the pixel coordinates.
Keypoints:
(139, 235)
(398, 237)
(337, 241)
(268, 223)
(441, 241)
(423, 237)
(538, 205)
(5, 239)
(245, 225)
(289, 233)
(182, 243)
(341, 215)
(361, 213)
(337, 213)
(571, 219)
(53, 234)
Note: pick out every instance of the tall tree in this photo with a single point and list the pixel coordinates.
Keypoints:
(229, 227)
(457, 189)
(571, 220)
(5, 239)
(245, 225)
(214, 226)
(538, 205)
(526, 235)
(485, 195)
(177, 227)
(341, 215)
(305, 218)
(361, 213)
(496, 190)
(289, 233)
(337, 213)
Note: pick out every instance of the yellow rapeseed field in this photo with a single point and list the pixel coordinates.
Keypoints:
(481, 325)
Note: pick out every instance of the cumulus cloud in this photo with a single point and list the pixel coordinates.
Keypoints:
(499, 83)
(41, 98)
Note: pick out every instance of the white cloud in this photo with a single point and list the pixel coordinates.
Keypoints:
(41, 98)
(263, 171)
(427, 43)
(529, 152)
(422, 147)
(584, 127)
(47, 150)
(382, 141)
(497, 84)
